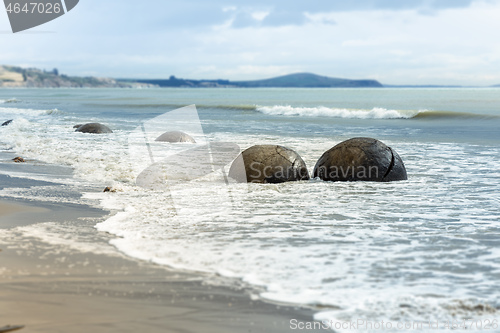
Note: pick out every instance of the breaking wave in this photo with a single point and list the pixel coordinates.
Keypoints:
(375, 113)
(11, 100)
(322, 111)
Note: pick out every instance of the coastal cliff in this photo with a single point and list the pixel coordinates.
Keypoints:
(17, 77)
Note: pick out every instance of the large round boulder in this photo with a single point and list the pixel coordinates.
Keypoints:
(360, 159)
(268, 164)
(94, 128)
(175, 136)
(8, 122)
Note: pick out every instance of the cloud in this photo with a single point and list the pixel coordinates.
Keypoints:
(283, 13)
(127, 16)
(393, 41)
(396, 46)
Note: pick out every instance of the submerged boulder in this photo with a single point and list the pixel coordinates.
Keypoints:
(8, 122)
(360, 159)
(268, 164)
(94, 128)
(175, 136)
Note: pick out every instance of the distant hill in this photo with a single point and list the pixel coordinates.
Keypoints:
(17, 77)
(299, 80)
(308, 80)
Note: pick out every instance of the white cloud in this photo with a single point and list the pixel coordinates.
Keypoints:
(229, 9)
(321, 18)
(247, 71)
(260, 16)
(455, 45)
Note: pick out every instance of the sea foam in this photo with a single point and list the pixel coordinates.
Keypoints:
(10, 100)
(322, 111)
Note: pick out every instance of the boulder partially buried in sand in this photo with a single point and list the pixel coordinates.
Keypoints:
(94, 128)
(360, 159)
(8, 122)
(175, 136)
(268, 164)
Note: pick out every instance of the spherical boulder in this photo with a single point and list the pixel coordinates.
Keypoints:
(360, 159)
(175, 136)
(268, 164)
(8, 122)
(94, 128)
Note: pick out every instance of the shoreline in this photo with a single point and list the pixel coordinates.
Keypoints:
(59, 274)
(49, 288)
(56, 288)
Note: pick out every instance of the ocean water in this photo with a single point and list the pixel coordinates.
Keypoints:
(425, 249)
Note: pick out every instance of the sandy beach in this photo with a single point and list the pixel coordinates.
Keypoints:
(58, 291)
(57, 287)
(8, 209)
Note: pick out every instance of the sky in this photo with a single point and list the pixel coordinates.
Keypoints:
(442, 42)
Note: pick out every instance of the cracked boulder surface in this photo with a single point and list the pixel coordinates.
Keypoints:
(175, 136)
(94, 128)
(360, 159)
(268, 164)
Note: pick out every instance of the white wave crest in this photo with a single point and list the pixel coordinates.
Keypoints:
(54, 111)
(11, 100)
(322, 111)
(9, 112)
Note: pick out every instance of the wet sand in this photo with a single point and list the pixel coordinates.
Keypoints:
(51, 285)
(105, 294)
(8, 209)
(53, 288)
